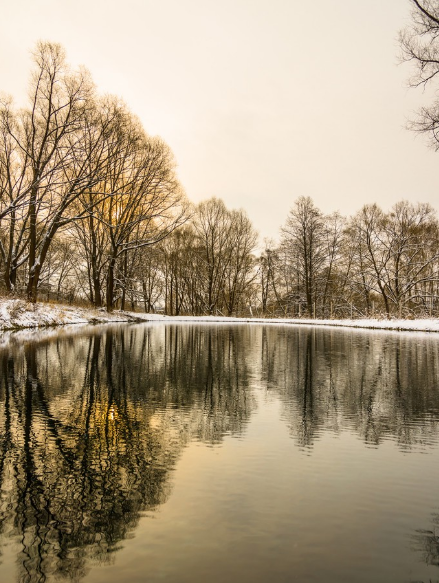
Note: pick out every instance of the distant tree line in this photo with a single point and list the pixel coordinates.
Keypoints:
(91, 209)
(372, 264)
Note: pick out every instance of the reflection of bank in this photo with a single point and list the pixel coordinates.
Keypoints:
(90, 429)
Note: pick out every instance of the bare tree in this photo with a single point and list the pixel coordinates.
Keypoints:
(396, 256)
(211, 226)
(148, 266)
(411, 241)
(370, 225)
(56, 140)
(241, 270)
(304, 241)
(333, 245)
(419, 43)
(358, 286)
(145, 200)
(226, 241)
(14, 195)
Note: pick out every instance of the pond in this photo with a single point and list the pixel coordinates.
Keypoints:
(192, 453)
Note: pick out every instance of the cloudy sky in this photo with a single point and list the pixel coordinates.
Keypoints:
(261, 101)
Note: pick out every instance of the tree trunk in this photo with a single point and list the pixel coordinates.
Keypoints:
(110, 285)
(32, 281)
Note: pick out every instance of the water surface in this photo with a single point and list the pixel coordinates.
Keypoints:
(187, 453)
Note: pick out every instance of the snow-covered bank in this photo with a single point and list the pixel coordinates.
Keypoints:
(419, 325)
(18, 314)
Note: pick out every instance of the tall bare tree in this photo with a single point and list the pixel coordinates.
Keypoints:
(420, 46)
(146, 201)
(303, 238)
(56, 158)
(226, 241)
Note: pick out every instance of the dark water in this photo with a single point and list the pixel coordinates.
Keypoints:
(223, 454)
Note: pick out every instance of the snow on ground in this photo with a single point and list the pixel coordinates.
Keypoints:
(18, 314)
(419, 325)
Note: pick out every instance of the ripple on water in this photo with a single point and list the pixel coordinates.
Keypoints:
(220, 453)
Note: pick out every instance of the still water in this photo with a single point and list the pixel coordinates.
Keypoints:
(196, 453)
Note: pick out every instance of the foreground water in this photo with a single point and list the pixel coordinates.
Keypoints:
(186, 453)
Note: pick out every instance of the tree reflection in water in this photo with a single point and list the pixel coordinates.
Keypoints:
(376, 384)
(91, 426)
(427, 542)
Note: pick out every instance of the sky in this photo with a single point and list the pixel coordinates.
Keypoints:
(261, 101)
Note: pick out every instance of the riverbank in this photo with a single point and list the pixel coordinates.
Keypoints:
(19, 315)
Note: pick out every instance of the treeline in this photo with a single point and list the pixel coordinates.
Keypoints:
(91, 209)
(78, 175)
(372, 264)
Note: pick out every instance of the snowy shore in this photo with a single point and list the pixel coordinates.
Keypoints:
(18, 314)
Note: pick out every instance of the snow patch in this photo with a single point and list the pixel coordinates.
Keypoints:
(18, 314)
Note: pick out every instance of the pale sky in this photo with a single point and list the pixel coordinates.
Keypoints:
(261, 101)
